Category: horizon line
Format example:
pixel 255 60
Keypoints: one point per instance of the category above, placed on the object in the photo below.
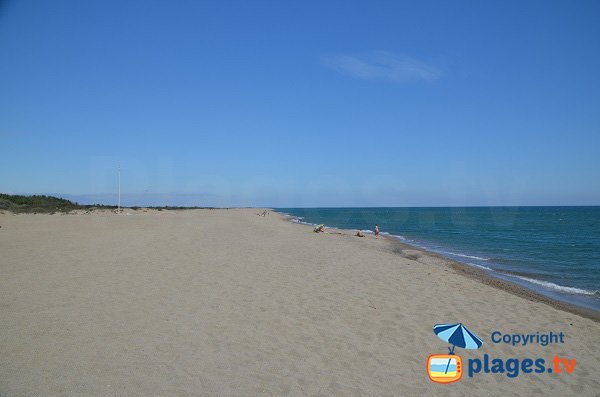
pixel 61 195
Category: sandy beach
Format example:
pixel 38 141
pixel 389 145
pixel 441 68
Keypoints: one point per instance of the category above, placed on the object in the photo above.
pixel 228 303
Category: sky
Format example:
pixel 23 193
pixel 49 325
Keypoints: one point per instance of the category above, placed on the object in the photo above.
pixel 305 103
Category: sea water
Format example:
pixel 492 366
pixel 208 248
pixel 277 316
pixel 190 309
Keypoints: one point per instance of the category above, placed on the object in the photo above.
pixel 552 250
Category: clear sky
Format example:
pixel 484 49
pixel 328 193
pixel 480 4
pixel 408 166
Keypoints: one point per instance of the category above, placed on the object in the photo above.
pixel 281 103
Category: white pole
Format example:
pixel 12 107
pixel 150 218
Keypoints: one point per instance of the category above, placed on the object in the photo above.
pixel 119 203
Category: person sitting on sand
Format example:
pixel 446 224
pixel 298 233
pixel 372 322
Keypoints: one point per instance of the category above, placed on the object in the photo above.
pixel 319 229
pixel 359 234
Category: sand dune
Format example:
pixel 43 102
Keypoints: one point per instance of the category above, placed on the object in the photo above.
pixel 224 302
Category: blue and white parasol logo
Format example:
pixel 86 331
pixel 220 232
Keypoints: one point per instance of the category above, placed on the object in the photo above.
pixel 457 335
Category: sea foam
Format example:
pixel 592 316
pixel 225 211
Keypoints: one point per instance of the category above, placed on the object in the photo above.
pixel 559 288
pixel 467 256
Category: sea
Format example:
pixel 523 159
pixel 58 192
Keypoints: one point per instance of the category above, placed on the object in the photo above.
pixel 554 251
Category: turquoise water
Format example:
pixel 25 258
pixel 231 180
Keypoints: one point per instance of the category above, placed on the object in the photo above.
pixel 552 250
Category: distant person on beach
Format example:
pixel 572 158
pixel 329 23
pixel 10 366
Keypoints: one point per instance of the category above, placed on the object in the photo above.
pixel 319 229
pixel 359 234
pixel 376 231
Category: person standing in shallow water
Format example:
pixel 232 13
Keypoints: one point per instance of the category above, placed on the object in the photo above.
pixel 376 231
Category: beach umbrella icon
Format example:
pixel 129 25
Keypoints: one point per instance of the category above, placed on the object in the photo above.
pixel 457 335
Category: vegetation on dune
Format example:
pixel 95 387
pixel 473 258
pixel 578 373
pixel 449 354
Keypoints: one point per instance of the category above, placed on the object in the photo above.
pixel 35 204
pixel 20 204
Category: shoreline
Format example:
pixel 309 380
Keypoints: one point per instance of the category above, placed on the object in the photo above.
pixel 412 252
pixel 488 279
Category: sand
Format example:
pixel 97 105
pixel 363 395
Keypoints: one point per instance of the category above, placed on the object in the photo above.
pixel 228 303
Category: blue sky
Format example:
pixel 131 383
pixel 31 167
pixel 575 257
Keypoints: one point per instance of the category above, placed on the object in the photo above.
pixel 277 103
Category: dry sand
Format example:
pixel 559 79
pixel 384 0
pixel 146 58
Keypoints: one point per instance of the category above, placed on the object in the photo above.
pixel 224 302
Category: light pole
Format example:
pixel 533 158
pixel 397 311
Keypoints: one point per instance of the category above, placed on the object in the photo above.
pixel 119 201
